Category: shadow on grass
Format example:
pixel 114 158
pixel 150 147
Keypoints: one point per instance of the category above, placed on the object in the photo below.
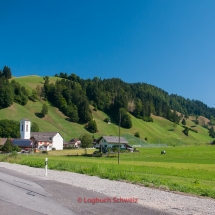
pixel 39 115
pixel 77 155
pixel 68 119
pixel 84 155
pixel 79 122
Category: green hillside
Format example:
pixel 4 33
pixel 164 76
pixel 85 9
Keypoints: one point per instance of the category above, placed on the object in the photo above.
pixel 160 131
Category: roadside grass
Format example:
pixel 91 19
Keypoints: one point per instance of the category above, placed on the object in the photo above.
pixel 188 169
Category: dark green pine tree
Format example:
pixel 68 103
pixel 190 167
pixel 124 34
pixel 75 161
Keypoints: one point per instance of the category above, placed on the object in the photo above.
pixel 196 121
pixel 7 72
pixel 44 110
pixel 8 147
pixel 138 108
pixel 183 122
pixel 125 118
pixel 84 112
pixel 6 94
pixel 73 113
pixel 211 132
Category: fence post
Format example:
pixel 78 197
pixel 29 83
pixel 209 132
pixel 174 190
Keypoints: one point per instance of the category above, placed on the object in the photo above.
pixel 46 166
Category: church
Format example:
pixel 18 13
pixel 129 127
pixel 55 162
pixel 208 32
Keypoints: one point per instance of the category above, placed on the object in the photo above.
pixel 42 141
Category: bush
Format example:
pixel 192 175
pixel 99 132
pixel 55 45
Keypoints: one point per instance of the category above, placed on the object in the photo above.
pixel 213 142
pixel 171 129
pixel 186 131
pixel 147 119
pixel 107 119
pixel 137 134
pixel 91 126
pixel 14 154
pixel 16 148
pixel 44 152
pixel 68 147
pixel 115 148
pixel 53 149
pixel 97 154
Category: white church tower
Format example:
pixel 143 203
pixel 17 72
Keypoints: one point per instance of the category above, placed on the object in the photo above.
pixel 25 128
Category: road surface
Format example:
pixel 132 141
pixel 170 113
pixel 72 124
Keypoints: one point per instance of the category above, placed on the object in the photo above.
pixel 23 194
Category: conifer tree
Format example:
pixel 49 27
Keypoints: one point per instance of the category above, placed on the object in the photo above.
pixel 8 147
pixel 7 72
pixel 183 122
pixel 44 110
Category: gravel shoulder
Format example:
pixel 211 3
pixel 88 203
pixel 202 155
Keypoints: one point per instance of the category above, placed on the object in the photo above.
pixel 163 200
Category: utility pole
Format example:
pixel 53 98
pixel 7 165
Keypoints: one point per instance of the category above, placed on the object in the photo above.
pixel 119 136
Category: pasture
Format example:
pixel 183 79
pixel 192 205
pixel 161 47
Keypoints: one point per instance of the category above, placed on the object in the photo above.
pixel 189 169
pixel 161 131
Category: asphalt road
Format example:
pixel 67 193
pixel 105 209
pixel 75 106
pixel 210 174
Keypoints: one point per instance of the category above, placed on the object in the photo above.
pixel 23 194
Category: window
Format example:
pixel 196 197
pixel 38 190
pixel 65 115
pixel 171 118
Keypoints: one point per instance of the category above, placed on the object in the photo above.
pixel 22 127
pixel 27 127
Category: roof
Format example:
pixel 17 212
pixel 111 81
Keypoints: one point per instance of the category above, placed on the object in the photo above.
pixel 22 142
pixel 74 140
pixel 115 139
pixel 25 119
pixel 43 136
pixel 2 141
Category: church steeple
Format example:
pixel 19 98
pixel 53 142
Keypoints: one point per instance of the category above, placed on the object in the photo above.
pixel 25 128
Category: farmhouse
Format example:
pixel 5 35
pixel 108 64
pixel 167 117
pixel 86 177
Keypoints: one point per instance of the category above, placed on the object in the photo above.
pixel 112 142
pixel 44 141
pixel 74 143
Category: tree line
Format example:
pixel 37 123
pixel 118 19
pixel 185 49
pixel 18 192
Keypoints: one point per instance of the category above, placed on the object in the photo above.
pixel 11 128
pixel 11 91
pixel 112 96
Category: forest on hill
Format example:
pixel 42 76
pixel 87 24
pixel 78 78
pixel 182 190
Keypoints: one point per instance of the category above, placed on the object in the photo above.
pixel 73 96
pixel 113 96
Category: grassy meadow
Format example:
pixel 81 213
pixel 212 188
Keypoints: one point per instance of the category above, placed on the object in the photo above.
pixel 160 131
pixel 188 169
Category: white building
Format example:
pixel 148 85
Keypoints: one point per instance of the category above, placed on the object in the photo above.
pixel 25 128
pixel 44 141
pixel 111 142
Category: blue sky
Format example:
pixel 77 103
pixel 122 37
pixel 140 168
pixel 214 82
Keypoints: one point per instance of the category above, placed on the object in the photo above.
pixel 166 43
